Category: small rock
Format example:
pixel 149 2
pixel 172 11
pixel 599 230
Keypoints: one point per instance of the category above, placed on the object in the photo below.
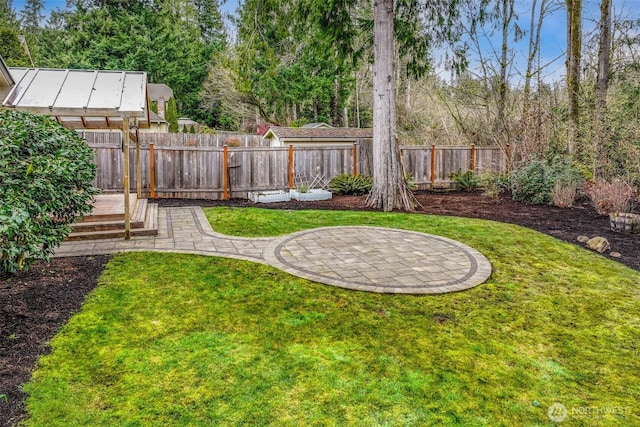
pixel 615 254
pixel 599 244
pixel 583 239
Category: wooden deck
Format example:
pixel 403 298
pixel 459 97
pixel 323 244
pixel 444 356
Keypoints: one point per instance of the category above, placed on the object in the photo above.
pixel 106 221
pixel 110 207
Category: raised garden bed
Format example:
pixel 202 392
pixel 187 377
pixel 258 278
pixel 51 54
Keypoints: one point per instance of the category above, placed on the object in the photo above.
pixel 269 196
pixel 311 195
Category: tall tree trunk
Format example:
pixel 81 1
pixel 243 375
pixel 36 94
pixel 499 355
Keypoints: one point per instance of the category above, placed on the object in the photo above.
pixel 507 16
pixel 602 85
pixel 407 93
pixel 574 47
pixel 335 99
pixel 389 189
pixel 357 101
pixel 535 31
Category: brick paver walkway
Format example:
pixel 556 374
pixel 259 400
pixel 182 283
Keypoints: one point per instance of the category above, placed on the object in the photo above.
pixel 361 258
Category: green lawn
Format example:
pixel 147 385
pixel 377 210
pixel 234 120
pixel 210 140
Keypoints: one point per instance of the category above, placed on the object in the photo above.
pixel 170 339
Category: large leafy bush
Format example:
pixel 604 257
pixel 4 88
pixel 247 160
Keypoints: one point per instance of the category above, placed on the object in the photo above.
pixel 534 182
pixel 46 174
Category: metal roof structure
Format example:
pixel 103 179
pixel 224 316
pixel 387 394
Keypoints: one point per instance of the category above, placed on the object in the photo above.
pixel 86 99
pixel 81 99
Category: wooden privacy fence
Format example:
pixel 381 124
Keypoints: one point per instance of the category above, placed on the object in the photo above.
pixel 435 164
pixel 211 172
pixel 219 139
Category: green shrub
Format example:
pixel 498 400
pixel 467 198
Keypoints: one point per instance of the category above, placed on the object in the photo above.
pixel 534 182
pixel 354 185
pixel 466 181
pixel 494 183
pixel 408 180
pixel 46 173
pixel 171 115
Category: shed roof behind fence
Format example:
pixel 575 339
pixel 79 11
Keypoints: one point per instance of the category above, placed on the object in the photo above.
pixel 78 97
pixel 159 90
pixel 319 133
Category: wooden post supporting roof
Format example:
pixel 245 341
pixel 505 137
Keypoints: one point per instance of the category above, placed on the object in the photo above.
pixel 85 99
pixel 138 167
pixel 127 214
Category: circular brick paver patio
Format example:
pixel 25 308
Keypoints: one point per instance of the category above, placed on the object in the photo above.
pixel 370 259
pixel 379 260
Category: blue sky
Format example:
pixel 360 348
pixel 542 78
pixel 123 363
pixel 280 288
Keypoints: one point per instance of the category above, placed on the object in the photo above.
pixel 553 37
pixel 230 5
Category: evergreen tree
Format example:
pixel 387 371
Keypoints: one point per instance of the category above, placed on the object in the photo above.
pixel 171 115
pixel 164 38
pixel 416 25
pixel 289 71
pixel 11 49
pixel 7 14
pixel 192 129
pixel 31 18
pixel 31 15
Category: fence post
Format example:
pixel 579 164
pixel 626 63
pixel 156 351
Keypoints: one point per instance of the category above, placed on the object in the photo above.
pixel 152 172
pixel 355 159
pixel 290 170
pixel 225 172
pixel 508 157
pixel 433 164
pixel 473 158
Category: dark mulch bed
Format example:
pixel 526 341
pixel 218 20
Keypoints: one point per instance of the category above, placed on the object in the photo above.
pixel 35 304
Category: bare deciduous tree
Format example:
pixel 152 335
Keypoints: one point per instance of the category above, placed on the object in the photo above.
pixel 574 51
pixel 602 83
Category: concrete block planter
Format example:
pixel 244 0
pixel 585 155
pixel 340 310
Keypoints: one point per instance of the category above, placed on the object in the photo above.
pixel 625 223
pixel 313 194
pixel 269 196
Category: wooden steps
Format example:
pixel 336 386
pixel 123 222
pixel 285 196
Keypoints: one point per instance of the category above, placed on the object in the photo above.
pixel 107 221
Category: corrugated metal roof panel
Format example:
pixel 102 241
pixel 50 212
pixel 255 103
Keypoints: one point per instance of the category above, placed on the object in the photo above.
pixel 134 93
pixel 107 91
pixel 75 90
pixel 80 93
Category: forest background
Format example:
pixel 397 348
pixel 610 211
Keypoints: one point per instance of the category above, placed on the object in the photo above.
pixel 506 73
